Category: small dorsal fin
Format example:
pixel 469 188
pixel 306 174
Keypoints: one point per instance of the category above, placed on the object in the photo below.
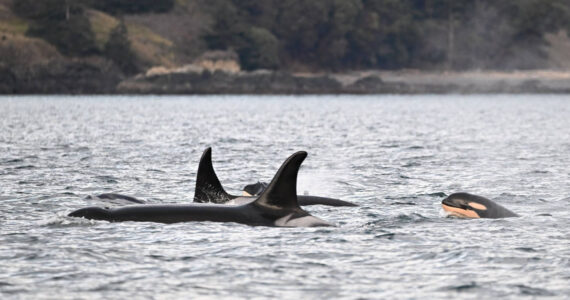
pixel 281 193
pixel 254 189
pixel 208 186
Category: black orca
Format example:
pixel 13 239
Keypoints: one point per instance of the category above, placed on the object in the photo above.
pixel 466 205
pixel 209 189
pixel 254 189
pixel 277 206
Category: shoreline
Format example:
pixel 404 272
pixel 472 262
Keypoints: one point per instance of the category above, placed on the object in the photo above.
pixel 89 80
pixel 361 82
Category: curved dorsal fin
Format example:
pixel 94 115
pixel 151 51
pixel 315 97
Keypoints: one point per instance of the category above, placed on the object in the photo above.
pixel 281 193
pixel 208 186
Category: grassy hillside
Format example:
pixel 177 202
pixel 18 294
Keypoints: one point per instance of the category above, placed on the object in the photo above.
pixel 15 47
pixel 290 35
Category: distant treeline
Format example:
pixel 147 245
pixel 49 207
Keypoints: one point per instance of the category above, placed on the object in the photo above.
pixel 387 34
pixel 328 35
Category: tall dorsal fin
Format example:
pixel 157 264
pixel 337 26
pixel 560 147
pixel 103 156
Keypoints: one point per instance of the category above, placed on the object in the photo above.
pixel 281 193
pixel 208 186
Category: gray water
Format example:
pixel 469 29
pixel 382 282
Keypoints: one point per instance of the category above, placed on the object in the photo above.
pixel 396 156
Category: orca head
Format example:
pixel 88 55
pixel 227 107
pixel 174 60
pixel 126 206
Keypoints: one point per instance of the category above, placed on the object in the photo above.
pixel 208 186
pixel 466 205
pixel 92 213
pixel 279 200
pixel 254 189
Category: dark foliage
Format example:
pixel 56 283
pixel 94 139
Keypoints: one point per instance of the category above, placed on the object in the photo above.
pixel 259 50
pixel 391 34
pixel 7 80
pixel 333 34
pixel 132 6
pixel 71 37
pixel 61 23
pixel 118 49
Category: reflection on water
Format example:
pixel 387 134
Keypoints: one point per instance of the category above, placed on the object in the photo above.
pixel 396 156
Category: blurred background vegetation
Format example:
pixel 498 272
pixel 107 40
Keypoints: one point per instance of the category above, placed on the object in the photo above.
pixel 291 35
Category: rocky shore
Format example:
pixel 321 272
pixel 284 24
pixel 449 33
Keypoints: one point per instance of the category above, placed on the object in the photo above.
pixel 99 77
pixel 369 82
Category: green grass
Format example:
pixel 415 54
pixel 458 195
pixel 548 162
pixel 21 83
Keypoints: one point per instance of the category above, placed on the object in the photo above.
pixel 14 26
pixel 149 46
pixel 146 44
pixel 101 24
pixel 9 22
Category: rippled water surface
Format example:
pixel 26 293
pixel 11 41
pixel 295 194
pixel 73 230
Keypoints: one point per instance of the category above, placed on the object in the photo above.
pixel 396 156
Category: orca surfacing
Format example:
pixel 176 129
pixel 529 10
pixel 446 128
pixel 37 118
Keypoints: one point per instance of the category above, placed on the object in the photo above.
pixel 277 206
pixel 210 190
pixel 465 205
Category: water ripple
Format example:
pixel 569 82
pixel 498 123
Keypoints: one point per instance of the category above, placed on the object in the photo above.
pixel 386 153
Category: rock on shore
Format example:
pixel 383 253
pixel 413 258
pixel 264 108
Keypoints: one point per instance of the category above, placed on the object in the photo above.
pixel 369 82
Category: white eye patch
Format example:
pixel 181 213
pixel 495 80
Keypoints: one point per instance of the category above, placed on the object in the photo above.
pixel 477 206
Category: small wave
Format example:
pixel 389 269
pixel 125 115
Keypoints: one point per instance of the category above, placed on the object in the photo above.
pixel 63 194
pixel 388 236
pixel 411 164
pixel 389 146
pixel 108 179
pixel 168 258
pixel 525 249
pixel 231 140
pixel 540 172
pixel 544 215
pixel 26 167
pixel 401 197
pixel 411 218
pixel 13 161
pixel 527 290
pixel 463 287
pixel 131 141
pixel 63 221
pixel 436 194
pixel 397 221
pixel 58 222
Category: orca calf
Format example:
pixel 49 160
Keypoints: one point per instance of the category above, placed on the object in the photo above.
pixel 466 205
pixel 277 206
pixel 254 189
pixel 210 190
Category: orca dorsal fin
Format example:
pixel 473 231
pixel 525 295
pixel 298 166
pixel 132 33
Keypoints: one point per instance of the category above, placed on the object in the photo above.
pixel 281 193
pixel 208 186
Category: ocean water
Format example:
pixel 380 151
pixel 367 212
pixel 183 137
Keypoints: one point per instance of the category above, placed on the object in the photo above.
pixel 395 156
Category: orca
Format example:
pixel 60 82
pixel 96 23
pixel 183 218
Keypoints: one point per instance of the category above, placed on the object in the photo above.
pixel 210 190
pixel 277 206
pixel 254 189
pixel 465 205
